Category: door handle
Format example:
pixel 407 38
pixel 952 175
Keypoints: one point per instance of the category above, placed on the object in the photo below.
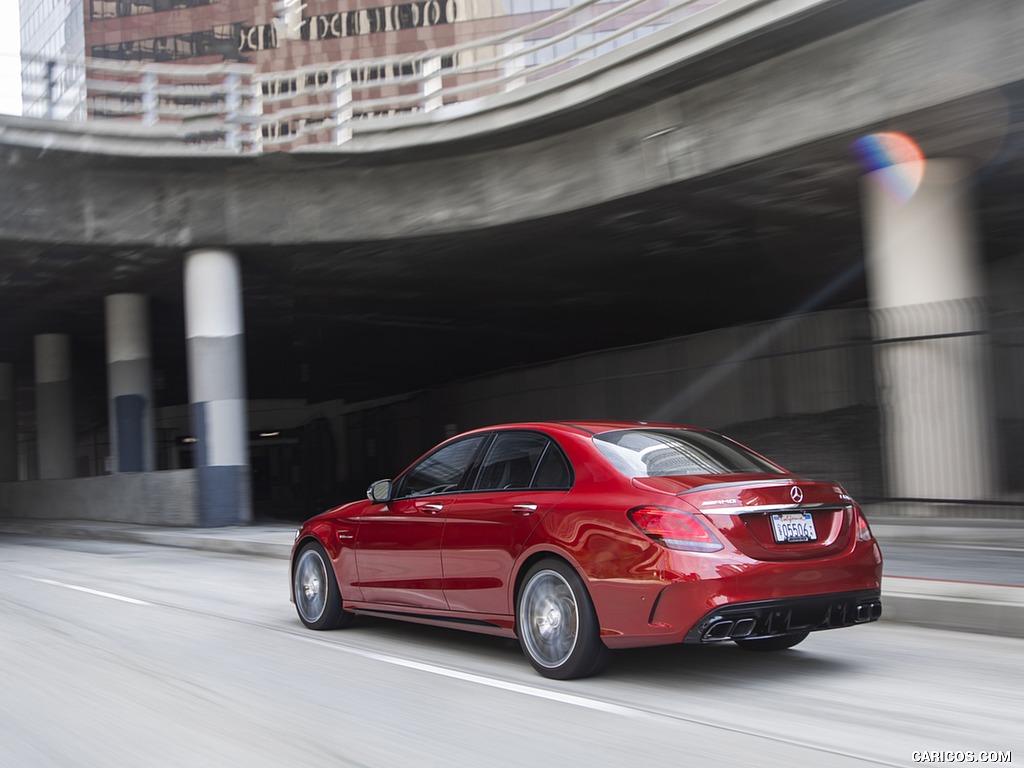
pixel 433 508
pixel 524 509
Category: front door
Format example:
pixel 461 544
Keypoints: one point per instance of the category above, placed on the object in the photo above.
pixel 398 544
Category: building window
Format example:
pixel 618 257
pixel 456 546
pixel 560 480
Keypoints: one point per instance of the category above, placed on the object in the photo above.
pixel 112 9
pixel 219 41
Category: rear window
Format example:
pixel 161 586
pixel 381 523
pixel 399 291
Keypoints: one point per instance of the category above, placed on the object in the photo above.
pixel 522 460
pixel 663 452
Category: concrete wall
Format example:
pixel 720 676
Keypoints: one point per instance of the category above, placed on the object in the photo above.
pixel 811 364
pixel 801 391
pixel 153 498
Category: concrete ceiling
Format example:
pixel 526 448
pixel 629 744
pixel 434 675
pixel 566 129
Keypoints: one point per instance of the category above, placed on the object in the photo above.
pixel 357 320
pixel 361 318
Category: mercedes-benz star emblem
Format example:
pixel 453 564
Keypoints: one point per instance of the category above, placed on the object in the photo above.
pixel 796 494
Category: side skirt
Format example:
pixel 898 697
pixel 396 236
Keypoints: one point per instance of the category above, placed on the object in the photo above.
pixel 498 626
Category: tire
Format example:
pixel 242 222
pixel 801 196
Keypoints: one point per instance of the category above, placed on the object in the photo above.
pixel 557 625
pixel 780 643
pixel 317 597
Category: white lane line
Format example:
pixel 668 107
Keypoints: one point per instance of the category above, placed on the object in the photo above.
pixel 122 598
pixel 529 690
pixel 587 703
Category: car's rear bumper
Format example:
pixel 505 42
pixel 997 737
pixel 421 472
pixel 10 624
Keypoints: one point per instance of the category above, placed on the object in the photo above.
pixel 689 591
pixel 770 618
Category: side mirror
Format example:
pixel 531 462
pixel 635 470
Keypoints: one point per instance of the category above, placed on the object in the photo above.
pixel 379 492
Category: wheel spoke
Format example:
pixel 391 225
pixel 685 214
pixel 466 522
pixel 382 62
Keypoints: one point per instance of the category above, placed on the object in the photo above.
pixel 549 618
pixel 311 585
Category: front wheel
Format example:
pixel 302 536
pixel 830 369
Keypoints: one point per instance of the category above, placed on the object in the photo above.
pixel 557 624
pixel 317 598
pixel 779 643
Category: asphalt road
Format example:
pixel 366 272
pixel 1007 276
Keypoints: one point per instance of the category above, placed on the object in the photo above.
pixel 130 655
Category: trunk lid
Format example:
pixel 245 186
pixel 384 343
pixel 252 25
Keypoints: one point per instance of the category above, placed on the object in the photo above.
pixel 767 516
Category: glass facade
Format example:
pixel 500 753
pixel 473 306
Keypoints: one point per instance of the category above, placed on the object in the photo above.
pixel 220 41
pixel 53 50
pixel 111 9
pixel 58 34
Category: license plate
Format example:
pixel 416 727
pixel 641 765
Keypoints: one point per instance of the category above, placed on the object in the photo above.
pixel 792 528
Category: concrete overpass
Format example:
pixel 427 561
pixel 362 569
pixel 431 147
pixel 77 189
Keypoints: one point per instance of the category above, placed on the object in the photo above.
pixel 700 178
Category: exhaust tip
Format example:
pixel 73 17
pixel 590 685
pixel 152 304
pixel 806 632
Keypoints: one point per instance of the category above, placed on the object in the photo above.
pixel 868 612
pixel 719 630
pixel 743 628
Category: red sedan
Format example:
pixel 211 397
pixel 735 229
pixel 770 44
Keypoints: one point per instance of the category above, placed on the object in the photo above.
pixel 582 537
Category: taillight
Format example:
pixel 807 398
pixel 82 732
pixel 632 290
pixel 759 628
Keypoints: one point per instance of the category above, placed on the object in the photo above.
pixel 674 529
pixel 863 531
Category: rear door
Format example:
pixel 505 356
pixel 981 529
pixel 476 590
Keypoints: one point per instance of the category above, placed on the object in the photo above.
pixel 522 475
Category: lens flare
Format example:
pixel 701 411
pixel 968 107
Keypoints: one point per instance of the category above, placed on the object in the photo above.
pixel 894 160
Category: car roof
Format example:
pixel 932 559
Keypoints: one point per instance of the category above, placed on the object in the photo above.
pixel 593 427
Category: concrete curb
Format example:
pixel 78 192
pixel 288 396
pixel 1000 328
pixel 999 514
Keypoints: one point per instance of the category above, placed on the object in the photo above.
pixel 985 608
pixel 260 541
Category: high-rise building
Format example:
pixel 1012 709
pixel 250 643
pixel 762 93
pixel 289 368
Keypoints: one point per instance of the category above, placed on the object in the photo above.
pixel 282 36
pixel 303 42
pixel 58 36
pixel 279 34
pixel 53 50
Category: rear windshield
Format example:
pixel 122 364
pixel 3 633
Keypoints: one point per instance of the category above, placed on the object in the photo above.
pixel 661 452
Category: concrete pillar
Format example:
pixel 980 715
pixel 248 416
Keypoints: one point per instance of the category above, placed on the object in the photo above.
pixel 216 375
pixel 55 423
pixel 925 279
pixel 8 426
pixel 129 384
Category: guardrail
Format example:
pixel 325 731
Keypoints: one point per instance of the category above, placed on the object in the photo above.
pixel 233 106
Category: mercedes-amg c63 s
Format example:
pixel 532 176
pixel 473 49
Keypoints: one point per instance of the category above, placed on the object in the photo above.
pixel 579 538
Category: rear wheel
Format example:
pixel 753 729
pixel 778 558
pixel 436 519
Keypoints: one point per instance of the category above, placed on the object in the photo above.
pixel 317 598
pixel 557 624
pixel 780 643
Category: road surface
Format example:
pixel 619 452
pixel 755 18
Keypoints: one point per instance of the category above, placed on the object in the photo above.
pixel 132 655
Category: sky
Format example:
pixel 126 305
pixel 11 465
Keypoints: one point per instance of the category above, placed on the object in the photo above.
pixel 10 67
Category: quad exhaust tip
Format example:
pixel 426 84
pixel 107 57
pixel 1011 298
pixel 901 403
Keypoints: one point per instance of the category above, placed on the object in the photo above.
pixel 719 628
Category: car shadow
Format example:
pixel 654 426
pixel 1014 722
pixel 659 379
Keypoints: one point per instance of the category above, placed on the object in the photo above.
pixel 666 665
pixel 430 637
pixel 709 664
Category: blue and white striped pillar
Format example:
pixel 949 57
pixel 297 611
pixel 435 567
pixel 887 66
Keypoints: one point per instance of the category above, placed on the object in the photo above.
pixel 55 423
pixel 216 378
pixel 129 383
pixel 8 426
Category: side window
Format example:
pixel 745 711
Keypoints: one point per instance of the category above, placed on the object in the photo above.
pixel 516 459
pixel 553 472
pixel 511 460
pixel 441 471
